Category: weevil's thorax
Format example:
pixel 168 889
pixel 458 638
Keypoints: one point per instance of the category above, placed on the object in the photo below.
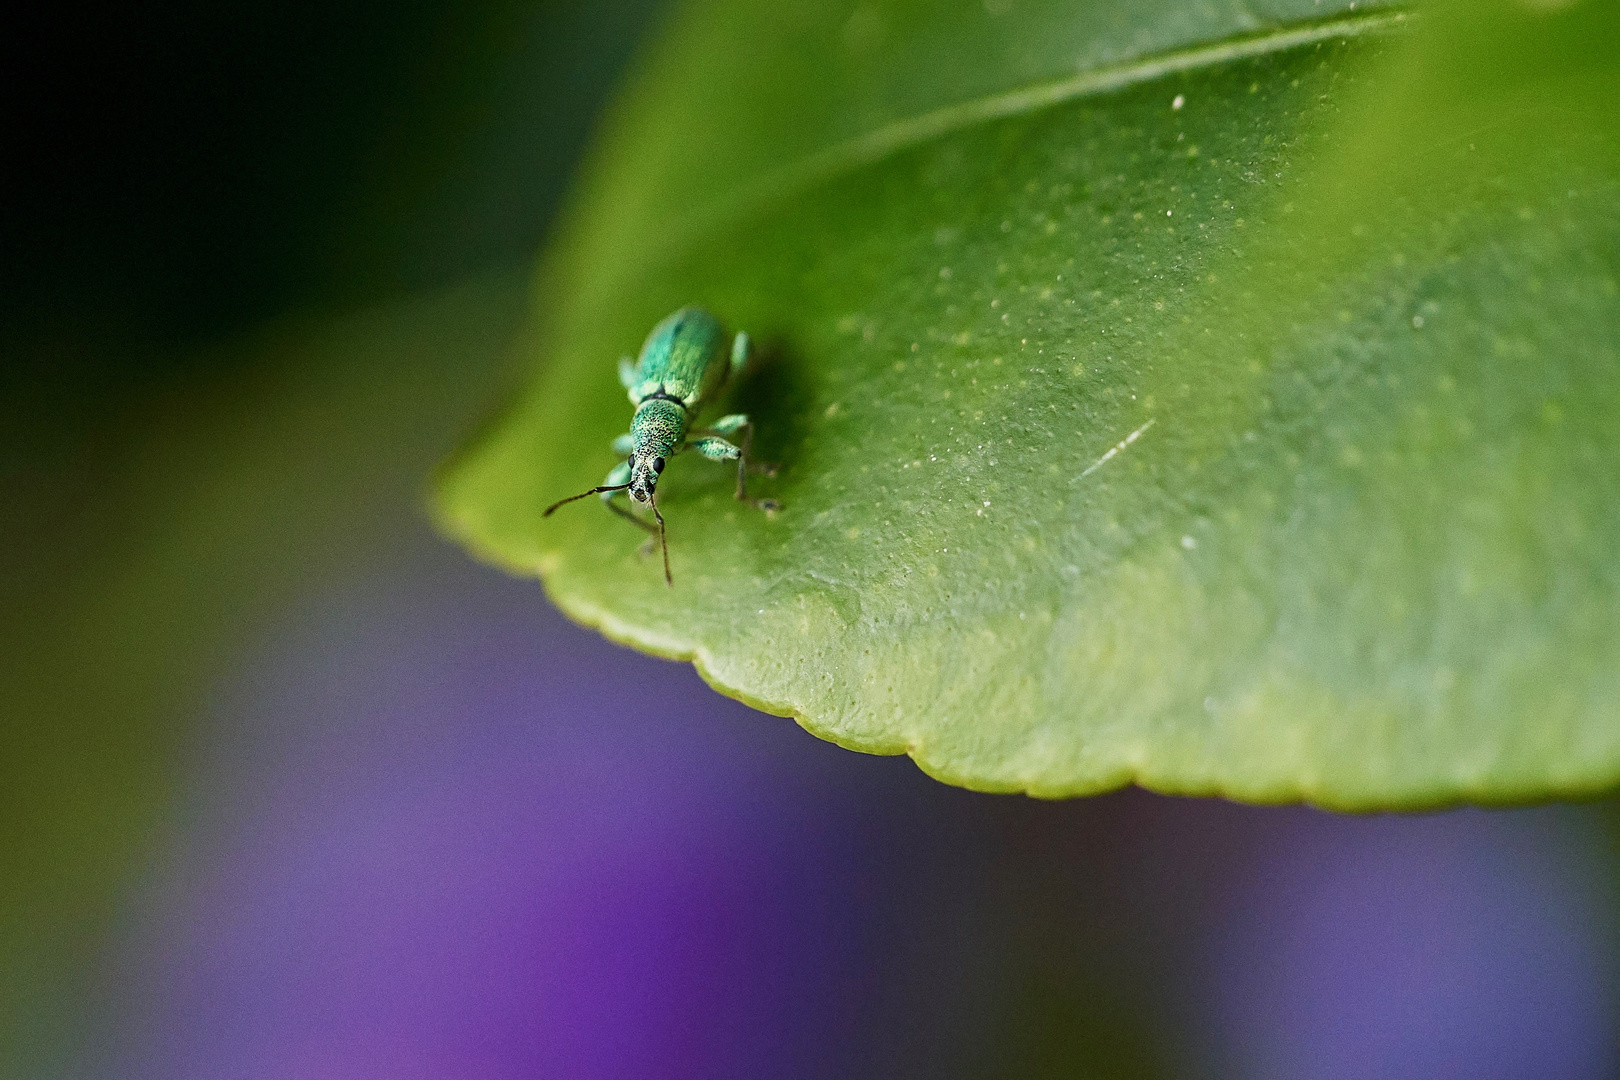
pixel 658 429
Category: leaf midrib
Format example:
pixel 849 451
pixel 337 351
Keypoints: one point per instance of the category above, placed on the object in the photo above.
pixel 822 166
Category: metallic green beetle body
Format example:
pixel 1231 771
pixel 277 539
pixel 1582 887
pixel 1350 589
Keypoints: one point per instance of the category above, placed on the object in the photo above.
pixel 684 365
pixel 684 357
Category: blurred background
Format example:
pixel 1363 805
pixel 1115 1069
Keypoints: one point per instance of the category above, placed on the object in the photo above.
pixel 291 788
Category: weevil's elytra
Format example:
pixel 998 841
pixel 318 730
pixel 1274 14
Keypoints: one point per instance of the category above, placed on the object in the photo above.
pixel 684 365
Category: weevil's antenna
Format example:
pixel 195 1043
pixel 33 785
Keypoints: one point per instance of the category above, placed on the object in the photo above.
pixel 663 541
pixel 583 494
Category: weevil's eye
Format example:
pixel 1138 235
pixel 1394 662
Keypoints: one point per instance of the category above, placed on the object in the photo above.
pixel 658 464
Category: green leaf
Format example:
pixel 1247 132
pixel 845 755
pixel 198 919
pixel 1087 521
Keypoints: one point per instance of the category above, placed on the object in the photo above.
pixel 1234 413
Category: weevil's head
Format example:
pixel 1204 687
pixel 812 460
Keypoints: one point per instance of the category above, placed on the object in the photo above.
pixel 644 470
pixel 657 429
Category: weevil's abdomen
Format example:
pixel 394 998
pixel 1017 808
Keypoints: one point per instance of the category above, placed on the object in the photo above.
pixel 684 357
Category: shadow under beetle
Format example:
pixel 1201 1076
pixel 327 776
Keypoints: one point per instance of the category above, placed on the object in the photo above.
pixel 683 367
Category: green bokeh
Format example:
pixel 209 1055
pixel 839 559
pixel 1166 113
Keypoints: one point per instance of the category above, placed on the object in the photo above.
pixel 234 500
pixel 1352 281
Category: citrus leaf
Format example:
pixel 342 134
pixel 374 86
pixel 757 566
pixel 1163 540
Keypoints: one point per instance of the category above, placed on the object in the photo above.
pixel 1234 415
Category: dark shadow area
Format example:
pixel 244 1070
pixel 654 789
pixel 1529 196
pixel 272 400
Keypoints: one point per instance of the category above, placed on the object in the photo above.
pixel 776 393
pixel 179 170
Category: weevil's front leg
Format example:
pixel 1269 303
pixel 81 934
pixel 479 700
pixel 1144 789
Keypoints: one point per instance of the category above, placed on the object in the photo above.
pixel 617 479
pixel 742 351
pixel 717 449
pixel 621 475
pixel 623 445
pixel 646 548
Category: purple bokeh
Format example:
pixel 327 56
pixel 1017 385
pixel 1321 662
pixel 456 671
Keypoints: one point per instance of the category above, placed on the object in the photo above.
pixel 1467 945
pixel 435 831
pixel 483 844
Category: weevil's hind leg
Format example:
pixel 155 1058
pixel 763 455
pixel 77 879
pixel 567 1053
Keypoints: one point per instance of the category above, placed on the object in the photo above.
pixel 742 351
pixel 627 372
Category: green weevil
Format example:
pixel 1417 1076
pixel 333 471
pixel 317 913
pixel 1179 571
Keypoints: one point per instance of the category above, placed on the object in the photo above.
pixel 683 367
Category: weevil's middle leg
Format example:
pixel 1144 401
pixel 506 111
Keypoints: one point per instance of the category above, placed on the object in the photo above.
pixel 726 425
pixel 718 449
